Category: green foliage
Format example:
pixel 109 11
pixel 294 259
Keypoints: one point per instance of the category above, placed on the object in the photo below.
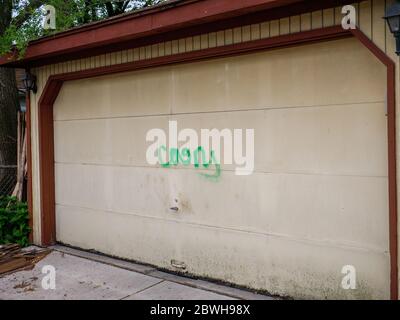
pixel 28 15
pixel 14 221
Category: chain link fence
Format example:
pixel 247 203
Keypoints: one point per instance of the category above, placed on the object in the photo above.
pixel 8 180
pixel 9 124
pixel 8 171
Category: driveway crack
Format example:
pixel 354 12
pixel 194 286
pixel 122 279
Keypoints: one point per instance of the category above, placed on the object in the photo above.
pixel 153 285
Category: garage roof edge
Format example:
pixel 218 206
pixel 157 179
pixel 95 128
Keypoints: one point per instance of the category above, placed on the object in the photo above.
pixel 131 28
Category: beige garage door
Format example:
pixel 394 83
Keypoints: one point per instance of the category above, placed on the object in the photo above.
pixel 317 200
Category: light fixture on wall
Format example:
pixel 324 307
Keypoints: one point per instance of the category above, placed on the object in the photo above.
pixel 392 18
pixel 30 82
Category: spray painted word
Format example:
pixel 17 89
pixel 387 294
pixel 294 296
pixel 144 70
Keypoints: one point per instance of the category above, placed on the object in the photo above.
pixel 185 157
pixel 205 153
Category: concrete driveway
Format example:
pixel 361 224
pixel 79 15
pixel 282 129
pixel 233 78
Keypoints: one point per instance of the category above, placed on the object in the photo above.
pixel 81 276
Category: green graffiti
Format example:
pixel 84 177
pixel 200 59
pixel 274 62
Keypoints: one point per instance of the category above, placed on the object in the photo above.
pixel 217 173
pixel 184 157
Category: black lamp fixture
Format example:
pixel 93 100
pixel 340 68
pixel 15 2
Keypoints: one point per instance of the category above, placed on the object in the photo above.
pixel 30 82
pixel 392 18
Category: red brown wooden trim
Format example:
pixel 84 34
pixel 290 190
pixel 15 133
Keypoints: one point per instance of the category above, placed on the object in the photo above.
pixel 47 181
pixel 392 171
pixel 29 162
pixel 85 41
pixel 183 11
pixel 54 84
pixel 211 53
pixel 46 161
pixel 132 26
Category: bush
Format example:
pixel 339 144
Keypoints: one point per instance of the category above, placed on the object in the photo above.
pixel 14 221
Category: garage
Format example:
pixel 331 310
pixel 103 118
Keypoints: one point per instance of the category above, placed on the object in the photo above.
pixel 320 157
pixel 294 195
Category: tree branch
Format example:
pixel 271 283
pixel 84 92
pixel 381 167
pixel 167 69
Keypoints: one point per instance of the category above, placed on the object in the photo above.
pixel 110 9
pixel 125 5
pixel 26 12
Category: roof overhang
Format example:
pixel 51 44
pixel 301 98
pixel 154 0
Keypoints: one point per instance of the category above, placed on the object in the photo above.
pixel 172 20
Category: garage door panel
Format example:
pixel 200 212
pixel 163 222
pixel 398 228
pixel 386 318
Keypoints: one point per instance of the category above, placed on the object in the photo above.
pixel 75 226
pixel 348 210
pixel 317 199
pixel 342 209
pixel 317 140
pixel 110 233
pixel 120 141
pixel 337 140
pixel 116 96
pixel 281 78
pixel 304 268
